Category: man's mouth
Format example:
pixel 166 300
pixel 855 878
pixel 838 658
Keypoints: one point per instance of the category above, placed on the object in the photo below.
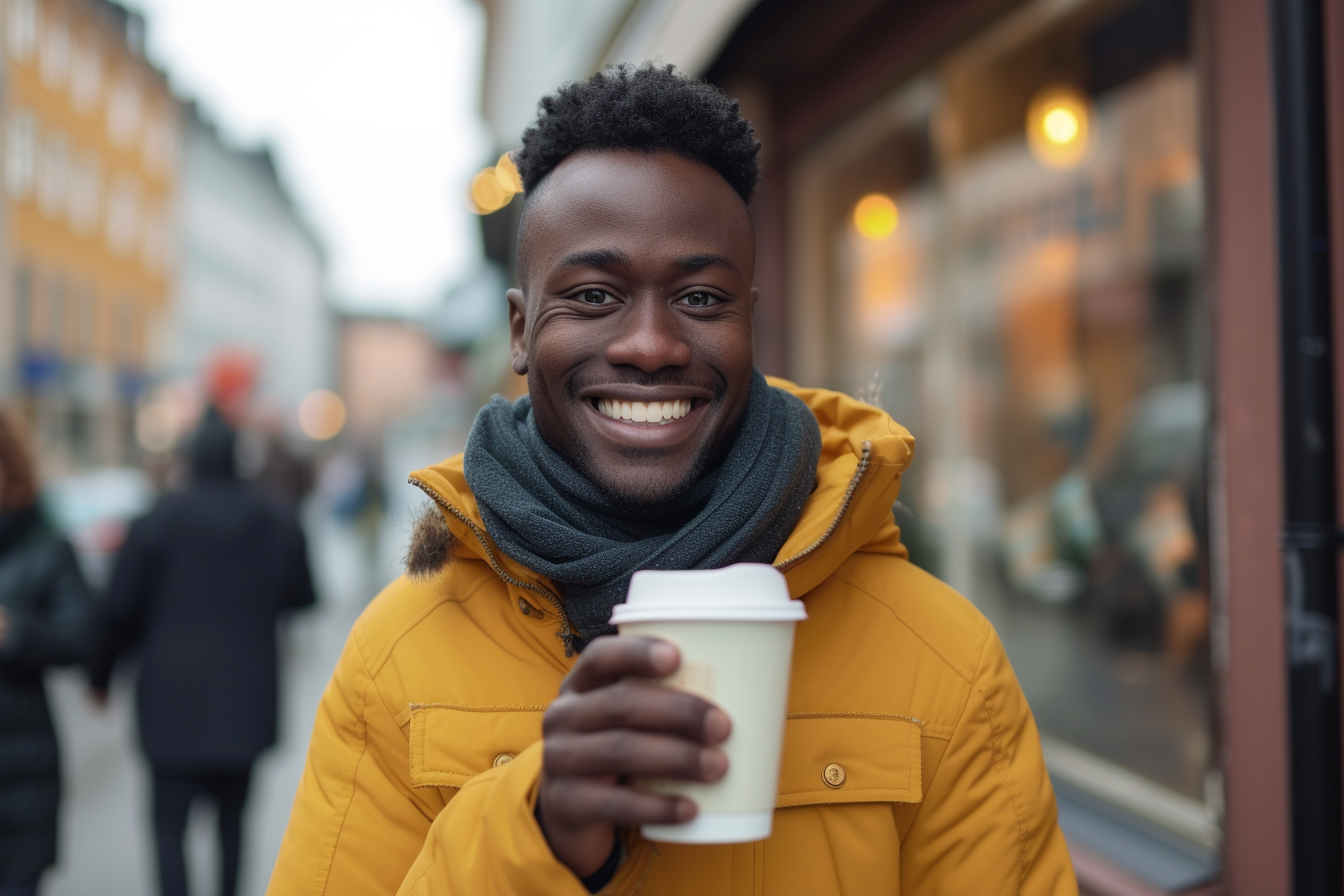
pixel 660 412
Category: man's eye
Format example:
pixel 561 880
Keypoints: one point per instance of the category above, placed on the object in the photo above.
pixel 700 299
pixel 595 297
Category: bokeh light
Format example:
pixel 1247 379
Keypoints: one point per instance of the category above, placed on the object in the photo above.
pixel 487 193
pixel 321 415
pixel 1060 125
pixel 876 216
pixel 507 172
pixel 154 429
pixel 1057 124
pixel 494 187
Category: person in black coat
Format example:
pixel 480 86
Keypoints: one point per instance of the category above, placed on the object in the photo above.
pixel 199 586
pixel 44 621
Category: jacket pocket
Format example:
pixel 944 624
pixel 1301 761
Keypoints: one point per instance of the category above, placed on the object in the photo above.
pixel 832 758
pixel 451 744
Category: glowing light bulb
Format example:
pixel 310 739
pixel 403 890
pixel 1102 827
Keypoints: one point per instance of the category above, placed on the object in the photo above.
pixel 1060 126
pixel 1057 127
pixel 876 216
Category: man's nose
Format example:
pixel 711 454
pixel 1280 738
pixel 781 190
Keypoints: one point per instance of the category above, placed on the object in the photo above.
pixel 650 338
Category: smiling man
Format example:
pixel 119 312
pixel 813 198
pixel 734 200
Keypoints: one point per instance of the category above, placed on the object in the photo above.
pixel 484 725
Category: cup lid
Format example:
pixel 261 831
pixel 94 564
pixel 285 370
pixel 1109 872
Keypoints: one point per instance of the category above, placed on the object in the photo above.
pixel 743 592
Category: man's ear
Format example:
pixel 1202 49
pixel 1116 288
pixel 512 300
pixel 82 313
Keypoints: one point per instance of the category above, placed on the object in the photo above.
pixel 518 330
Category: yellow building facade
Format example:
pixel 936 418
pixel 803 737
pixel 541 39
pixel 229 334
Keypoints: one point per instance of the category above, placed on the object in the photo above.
pixel 91 145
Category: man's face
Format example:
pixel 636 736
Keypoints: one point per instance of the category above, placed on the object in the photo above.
pixel 634 321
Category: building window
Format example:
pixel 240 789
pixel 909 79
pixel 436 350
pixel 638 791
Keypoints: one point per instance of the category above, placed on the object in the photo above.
pixel 23 306
pixel 125 109
pixel 84 331
pixel 22 30
pixel 86 74
pixel 123 215
pixel 1011 248
pixel 156 248
pixel 20 153
pixel 53 176
pixel 85 192
pixel 54 63
pixel 127 342
pixel 55 329
pixel 158 150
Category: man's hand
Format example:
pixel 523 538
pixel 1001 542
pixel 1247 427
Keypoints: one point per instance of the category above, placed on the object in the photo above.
pixel 4 626
pixel 604 729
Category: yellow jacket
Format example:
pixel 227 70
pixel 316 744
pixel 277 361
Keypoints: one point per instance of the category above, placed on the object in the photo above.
pixel 425 757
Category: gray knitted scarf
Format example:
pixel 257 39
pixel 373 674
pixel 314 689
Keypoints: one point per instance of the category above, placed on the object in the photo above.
pixel 554 520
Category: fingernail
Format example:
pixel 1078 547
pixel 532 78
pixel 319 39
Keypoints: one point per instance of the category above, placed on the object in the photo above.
pixel 717 725
pixel 663 656
pixel 685 810
pixel 713 764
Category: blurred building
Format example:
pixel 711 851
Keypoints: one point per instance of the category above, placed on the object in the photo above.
pixel 1042 235
pixel 251 277
pixel 388 370
pixel 91 156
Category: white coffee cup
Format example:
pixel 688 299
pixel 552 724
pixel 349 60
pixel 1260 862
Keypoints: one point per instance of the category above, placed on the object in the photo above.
pixel 734 629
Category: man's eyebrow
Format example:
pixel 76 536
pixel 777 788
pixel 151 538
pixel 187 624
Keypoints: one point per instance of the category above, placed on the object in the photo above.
pixel 596 258
pixel 700 262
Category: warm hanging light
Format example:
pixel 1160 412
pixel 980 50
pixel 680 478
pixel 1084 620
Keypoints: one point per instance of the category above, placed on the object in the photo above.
pixel 1057 126
pixel 876 216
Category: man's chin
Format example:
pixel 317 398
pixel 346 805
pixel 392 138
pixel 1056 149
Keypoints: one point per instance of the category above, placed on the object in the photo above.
pixel 634 490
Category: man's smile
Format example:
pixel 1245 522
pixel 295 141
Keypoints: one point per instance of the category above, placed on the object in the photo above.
pixel 652 415
pixel 652 412
pixel 637 416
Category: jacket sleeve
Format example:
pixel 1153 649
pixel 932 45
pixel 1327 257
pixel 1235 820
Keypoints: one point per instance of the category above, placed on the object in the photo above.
pixel 59 630
pixel 488 840
pixel 300 593
pixel 357 823
pixel 120 614
pixel 988 823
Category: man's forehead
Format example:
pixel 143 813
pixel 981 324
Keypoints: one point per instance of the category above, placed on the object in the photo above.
pixel 599 200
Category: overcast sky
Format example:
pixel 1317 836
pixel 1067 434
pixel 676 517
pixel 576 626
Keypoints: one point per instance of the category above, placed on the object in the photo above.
pixel 372 110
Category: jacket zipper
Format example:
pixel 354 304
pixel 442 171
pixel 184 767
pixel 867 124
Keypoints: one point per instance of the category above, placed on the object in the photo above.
pixel 785 565
pixel 566 633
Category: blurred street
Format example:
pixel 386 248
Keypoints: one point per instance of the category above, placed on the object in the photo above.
pixel 105 834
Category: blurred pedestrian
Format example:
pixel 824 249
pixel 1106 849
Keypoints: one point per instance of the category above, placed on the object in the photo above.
pixel 199 586
pixel 44 621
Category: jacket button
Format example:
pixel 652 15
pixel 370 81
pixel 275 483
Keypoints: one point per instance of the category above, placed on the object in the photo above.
pixel 506 758
pixel 833 775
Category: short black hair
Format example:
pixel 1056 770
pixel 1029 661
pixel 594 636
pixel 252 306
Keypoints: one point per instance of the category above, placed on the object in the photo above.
pixel 644 109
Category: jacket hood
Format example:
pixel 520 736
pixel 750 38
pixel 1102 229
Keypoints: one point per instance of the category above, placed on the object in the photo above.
pixel 863 454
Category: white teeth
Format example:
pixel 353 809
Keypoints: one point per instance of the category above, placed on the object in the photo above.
pixel 644 412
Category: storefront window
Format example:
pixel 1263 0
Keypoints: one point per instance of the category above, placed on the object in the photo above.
pixel 1012 257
